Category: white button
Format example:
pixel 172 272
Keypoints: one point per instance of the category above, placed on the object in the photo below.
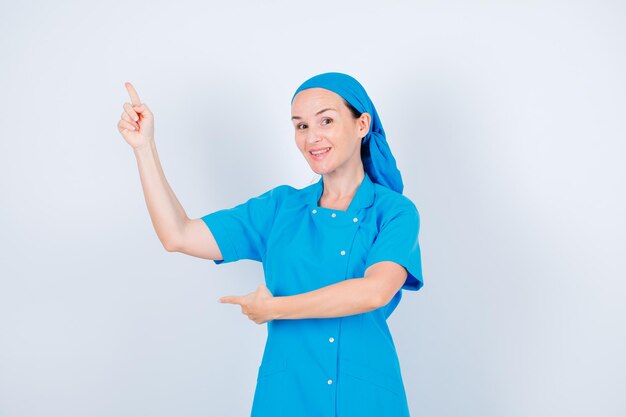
pixel 331 339
pixel 343 252
pixel 330 381
pixel 355 220
pixel 313 211
pixel 333 215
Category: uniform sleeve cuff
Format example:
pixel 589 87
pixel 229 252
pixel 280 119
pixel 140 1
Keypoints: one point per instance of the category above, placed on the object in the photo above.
pixel 217 228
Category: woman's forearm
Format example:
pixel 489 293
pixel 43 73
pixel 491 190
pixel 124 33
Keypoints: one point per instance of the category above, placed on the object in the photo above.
pixel 167 214
pixel 344 298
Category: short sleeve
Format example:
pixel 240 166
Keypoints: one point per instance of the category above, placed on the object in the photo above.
pixel 397 241
pixel 241 232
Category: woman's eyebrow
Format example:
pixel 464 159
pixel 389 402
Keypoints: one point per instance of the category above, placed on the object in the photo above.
pixel 321 111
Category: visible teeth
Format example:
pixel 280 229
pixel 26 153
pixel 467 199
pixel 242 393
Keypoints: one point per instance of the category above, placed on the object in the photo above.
pixel 320 152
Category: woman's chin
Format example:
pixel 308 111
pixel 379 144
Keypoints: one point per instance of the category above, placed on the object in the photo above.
pixel 320 169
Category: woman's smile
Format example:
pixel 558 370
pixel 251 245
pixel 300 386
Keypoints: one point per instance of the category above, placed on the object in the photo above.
pixel 320 154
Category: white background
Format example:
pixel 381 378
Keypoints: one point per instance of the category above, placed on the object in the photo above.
pixel 506 121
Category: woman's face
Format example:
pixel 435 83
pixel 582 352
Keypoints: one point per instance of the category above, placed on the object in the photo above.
pixel 322 120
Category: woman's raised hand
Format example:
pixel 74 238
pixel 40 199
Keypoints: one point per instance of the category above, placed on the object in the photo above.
pixel 137 122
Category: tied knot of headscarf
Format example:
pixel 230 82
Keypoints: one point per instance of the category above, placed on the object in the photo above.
pixel 378 161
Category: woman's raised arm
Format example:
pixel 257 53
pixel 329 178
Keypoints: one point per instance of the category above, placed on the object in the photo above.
pixel 174 229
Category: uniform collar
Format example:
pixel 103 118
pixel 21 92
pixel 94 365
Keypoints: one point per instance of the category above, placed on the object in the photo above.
pixel 364 196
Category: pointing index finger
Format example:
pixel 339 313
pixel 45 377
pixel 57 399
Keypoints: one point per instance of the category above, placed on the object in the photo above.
pixel 229 299
pixel 134 97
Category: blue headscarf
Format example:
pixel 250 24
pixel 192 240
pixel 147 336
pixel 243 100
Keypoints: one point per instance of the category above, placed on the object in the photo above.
pixel 378 161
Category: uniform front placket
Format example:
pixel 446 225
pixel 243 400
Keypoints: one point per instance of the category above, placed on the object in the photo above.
pixel 344 226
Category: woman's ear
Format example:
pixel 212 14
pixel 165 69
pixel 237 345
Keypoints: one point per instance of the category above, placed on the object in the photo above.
pixel 364 124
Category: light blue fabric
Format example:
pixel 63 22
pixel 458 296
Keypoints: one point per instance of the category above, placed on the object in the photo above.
pixel 378 161
pixel 325 367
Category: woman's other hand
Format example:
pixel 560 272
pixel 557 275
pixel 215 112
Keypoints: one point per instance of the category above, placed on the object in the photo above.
pixel 137 122
pixel 257 305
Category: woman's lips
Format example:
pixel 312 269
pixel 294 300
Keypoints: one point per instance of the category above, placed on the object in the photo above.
pixel 320 156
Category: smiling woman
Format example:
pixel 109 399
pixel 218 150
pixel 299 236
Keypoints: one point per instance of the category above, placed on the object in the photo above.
pixel 336 256
pixel 328 132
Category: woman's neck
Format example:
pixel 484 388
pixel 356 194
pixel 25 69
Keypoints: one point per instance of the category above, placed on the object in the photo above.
pixel 339 190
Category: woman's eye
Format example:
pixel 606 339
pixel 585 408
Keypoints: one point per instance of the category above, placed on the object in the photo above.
pixel 329 120
pixel 300 126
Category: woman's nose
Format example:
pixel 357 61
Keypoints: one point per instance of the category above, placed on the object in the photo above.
pixel 313 136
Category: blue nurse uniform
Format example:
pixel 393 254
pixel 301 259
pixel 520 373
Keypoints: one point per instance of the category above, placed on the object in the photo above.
pixel 325 367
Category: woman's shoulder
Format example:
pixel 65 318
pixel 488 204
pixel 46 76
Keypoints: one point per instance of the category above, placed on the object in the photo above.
pixel 391 201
